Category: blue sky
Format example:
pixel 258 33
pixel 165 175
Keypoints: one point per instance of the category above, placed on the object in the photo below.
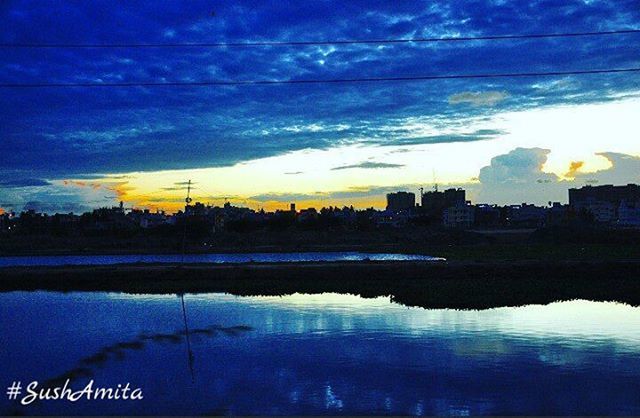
pixel 260 145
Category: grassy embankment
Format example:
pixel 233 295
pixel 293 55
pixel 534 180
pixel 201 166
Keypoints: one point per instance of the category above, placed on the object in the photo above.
pixel 509 268
pixel 458 285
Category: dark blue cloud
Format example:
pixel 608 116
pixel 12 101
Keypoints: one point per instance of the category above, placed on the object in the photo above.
pixel 26 182
pixel 370 165
pixel 50 207
pixel 54 133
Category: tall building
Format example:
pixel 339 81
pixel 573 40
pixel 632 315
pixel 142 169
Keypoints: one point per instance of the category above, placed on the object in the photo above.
pixel 435 202
pixel 584 196
pixel 401 201
pixel 604 202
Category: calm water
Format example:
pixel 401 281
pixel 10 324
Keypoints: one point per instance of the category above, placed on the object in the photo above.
pixel 323 354
pixel 61 260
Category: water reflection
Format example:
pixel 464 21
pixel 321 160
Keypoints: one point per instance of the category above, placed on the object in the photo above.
pixel 118 351
pixel 324 354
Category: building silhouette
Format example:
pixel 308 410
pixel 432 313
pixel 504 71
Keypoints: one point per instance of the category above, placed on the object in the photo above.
pixel 605 202
pixel 615 195
pixel 399 201
pixel 459 216
pixel 435 202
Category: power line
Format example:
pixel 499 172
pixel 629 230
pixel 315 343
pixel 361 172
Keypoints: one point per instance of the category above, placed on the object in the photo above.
pixel 318 81
pixel 319 43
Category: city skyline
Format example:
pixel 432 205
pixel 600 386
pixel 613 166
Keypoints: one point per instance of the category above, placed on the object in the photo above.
pixel 505 140
pixel 587 198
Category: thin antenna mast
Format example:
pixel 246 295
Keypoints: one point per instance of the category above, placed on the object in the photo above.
pixel 188 199
pixel 184 230
pixel 435 180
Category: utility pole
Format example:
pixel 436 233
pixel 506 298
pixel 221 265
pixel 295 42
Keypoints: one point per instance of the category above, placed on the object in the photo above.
pixel 184 230
pixel 190 356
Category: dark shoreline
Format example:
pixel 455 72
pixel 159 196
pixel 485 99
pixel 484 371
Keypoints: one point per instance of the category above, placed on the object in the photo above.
pixel 457 285
pixel 487 253
pixel 213 250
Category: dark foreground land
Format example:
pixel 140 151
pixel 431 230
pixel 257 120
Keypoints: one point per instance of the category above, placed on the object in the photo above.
pixel 549 244
pixel 459 285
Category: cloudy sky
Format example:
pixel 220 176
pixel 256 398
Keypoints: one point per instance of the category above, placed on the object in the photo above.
pixel 506 140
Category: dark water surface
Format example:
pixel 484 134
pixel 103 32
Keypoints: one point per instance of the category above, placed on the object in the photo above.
pixel 321 354
pixel 62 260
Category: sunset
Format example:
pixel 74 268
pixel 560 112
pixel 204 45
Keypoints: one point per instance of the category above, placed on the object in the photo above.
pixel 316 143
pixel 320 208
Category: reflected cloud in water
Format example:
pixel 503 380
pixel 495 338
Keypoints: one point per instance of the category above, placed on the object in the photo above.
pixel 327 354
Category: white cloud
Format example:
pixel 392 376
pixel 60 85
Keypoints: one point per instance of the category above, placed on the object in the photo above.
pixel 519 176
pixel 486 98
